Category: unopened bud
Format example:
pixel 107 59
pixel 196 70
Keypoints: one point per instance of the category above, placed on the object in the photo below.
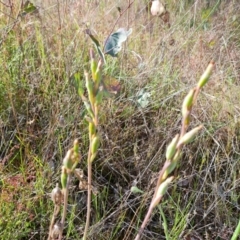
pixel 188 102
pixel 93 64
pixel 76 146
pixel 162 189
pixel 206 75
pixel 91 128
pixel 189 136
pixel 89 86
pixel 135 189
pixel 172 165
pixel 98 75
pixel 95 144
pixel 67 161
pixel 76 157
pixel 64 176
pixel 171 149
pixel 56 195
pixel 93 157
pixel 168 170
pixel 177 156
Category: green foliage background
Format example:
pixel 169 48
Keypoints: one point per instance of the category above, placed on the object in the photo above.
pixel 41 114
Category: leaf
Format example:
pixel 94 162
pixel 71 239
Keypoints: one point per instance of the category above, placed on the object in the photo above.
pixel 113 44
pixel 111 85
pixel 96 43
pixel 78 83
pixel 143 98
pixel 28 8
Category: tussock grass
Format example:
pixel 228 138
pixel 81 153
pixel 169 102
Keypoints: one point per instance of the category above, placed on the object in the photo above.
pixel 41 114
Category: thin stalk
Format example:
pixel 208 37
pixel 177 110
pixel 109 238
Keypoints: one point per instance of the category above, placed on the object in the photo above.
pixel 166 164
pixel 94 119
pixel 148 215
pixel 89 194
pixel 145 221
pixel 65 203
pixel 55 213
pixel 184 126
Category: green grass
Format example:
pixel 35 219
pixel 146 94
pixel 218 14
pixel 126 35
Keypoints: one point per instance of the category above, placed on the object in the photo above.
pixel 41 114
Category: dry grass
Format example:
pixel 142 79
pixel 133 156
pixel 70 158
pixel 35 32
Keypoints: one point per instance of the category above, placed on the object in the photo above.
pixel 41 114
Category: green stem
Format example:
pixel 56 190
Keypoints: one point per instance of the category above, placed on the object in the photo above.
pixel 89 194
pixel 236 232
pixel 64 214
pixel 165 227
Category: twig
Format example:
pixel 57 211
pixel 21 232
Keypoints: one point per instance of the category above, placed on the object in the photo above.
pixel 148 215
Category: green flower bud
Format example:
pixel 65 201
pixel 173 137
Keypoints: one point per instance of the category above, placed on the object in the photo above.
pixel 206 75
pixel 89 86
pixel 135 189
pixel 93 157
pixel 188 102
pixel 95 144
pixel 177 156
pixel 76 146
pixel 171 149
pixel 93 64
pixel 172 165
pixel 64 176
pixel 67 161
pixel 162 189
pixel 189 136
pixel 76 157
pixel 91 128
pixel 98 75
